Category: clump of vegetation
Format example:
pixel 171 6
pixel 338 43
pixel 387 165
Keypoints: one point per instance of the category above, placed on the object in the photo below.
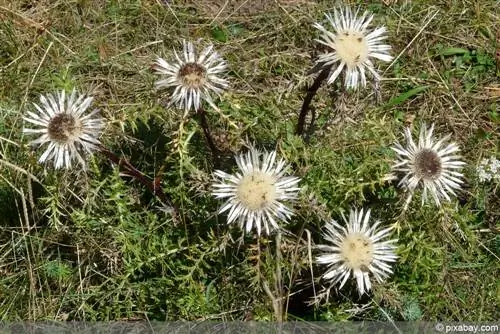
pixel 188 161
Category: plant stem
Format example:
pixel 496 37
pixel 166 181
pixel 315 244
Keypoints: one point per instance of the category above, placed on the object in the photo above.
pixel 208 136
pixel 307 100
pixel 153 186
pixel 278 283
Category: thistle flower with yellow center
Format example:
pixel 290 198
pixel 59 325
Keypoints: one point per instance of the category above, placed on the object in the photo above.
pixel 70 133
pixel 256 193
pixel 193 77
pixel 352 46
pixel 357 249
pixel 430 164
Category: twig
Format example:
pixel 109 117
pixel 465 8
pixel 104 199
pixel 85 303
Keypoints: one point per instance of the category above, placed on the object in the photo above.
pixel 274 301
pixel 424 26
pixel 278 300
pixel 307 100
pixel 139 176
pixel 309 257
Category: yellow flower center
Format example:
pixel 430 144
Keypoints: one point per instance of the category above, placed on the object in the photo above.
pixel 64 127
pixel 357 251
pixel 352 48
pixel 192 75
pixel 256 191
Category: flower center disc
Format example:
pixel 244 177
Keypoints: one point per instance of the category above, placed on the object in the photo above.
pixel 256 191
pixel 62 127
pixel 192 75
pixel 357 251
pixel 428 164
pixel 351 47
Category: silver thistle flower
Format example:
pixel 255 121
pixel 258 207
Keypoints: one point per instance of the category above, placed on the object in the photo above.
pixel 63 123
pixel 352 47
pixel 358 249
pixel 431 164
pixel 193 77
pixel 255 194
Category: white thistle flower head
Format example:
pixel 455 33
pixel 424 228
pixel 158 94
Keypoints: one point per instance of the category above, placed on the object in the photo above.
pixel 430 163
pixel 255 194
pixel 193 77
pixel 358 249
pixel 352 46
pixel 63 121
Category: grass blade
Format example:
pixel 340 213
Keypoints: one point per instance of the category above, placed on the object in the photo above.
pixel 406 95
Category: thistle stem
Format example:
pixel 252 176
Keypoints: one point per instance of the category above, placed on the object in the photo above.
pixel 153 186
pixel 208 136
pixel 307 100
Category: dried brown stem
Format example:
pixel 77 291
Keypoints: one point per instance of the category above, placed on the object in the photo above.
pixel 152 185
pixel 202 118
pixel 308 99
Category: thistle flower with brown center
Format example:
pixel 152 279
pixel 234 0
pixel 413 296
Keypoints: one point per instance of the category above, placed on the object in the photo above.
pixel 193 77
pixel 64 124
pixel 429 163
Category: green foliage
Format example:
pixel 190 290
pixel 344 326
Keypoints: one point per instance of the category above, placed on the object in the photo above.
pixel 412 311
pixel 467 65
pixel 98 245
pixel 406 95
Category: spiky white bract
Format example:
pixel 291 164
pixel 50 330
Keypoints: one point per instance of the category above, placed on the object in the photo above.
pixel 193 77
pixel 352 46
pixel 358 250
pixel 431 164
pixel 255 194
pixel 64 123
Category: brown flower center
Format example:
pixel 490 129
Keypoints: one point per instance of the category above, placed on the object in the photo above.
pixel 193 75
pixel 428 164
pixel 351 47
pixel 357 251
pixel 63 127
